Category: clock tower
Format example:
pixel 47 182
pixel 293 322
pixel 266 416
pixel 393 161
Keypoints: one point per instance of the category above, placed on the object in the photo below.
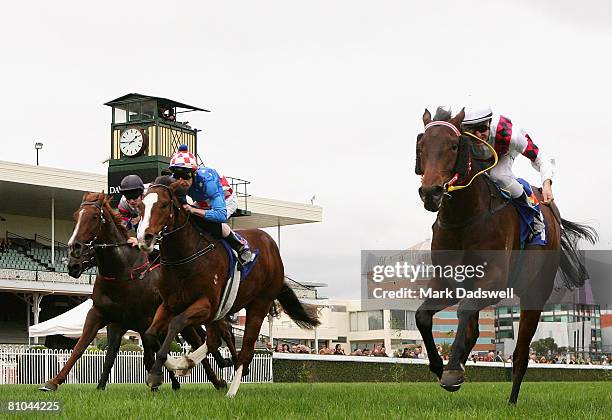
pixel 145 132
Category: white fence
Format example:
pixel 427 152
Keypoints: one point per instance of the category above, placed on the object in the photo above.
pixel 19 365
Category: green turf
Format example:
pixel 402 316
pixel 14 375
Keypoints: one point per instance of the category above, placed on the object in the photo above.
pixel 315 401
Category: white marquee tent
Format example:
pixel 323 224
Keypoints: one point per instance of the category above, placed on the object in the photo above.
pixel 69 324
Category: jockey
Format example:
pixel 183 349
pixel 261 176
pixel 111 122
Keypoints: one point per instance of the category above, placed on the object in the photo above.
pixel 132 190
pixel 205 186
pixel 231 201
pixel 509 141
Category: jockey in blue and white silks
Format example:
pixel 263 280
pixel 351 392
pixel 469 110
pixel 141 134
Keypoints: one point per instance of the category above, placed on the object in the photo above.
pixel 206 189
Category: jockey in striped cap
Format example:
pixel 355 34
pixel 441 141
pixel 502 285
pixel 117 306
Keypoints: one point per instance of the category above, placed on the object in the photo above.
pixel 204 185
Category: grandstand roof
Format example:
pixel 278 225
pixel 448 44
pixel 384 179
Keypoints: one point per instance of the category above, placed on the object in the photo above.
pixel 29 187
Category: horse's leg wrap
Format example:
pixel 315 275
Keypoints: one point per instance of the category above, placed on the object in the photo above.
pixel 231 393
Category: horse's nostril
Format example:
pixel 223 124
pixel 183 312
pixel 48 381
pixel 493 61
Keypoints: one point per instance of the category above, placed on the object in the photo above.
pixel 148 237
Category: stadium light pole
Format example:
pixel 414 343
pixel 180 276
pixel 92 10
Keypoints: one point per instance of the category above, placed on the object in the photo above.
pixel 38 145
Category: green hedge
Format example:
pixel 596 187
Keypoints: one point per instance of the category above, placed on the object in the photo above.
pixel 331 371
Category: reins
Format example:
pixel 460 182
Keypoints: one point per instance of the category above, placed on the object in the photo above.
pixel 164 234
pixel 449 187
pixel 452 187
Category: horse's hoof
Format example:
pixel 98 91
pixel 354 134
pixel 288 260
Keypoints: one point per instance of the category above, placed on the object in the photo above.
pixel 101 387
pixel 48 386
pixel 176 387
pixel 154 380
pixel 154 388
pixel 221 384
pixel 452 380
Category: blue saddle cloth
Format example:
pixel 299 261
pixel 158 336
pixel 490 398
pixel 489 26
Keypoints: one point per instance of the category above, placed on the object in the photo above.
pixel 527 214
pixel 245 269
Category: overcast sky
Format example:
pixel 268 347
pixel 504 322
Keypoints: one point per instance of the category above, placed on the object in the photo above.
pixel 319 98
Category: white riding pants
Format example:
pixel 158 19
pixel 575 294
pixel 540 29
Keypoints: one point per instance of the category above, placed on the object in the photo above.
pixel 503 176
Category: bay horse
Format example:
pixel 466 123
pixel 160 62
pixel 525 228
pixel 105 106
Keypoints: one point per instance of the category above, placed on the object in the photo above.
pixel 195 269
pixel 125 294
pixel 474 221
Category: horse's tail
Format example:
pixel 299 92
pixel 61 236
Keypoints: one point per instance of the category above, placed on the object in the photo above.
pixel 573 271
pixel 305 316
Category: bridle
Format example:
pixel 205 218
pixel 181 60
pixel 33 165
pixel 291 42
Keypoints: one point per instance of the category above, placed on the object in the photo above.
pixel 92 244
pixel 164 232
pixel 449 186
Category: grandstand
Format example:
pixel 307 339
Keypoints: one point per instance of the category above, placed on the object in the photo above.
pixel 35 225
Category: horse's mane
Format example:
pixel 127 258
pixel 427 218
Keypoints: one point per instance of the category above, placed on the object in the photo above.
pixel 105 200
pixel 442 114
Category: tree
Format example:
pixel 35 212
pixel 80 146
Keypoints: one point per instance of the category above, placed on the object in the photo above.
pixel 545 346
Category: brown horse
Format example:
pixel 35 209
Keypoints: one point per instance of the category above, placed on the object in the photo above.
pixel 125 292
pixel 194 273
pixel 474 222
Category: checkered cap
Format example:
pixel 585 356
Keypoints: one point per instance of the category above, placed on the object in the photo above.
pixel 183 158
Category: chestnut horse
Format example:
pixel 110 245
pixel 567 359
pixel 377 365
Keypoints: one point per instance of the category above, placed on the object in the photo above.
pixel 476 221
pixel 195 268
pixel 125 291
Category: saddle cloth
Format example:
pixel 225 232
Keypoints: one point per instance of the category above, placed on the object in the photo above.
pixel 235 276
pixel 528 216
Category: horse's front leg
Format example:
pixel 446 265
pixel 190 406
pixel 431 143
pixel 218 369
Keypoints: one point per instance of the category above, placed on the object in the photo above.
pixel 93 323
pixel 151 340
pixel 453 375
pixel 424 320
pixel 197 313
pixel 114 333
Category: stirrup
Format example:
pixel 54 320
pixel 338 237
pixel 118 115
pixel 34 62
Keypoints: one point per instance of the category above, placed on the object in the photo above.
pixel 245 256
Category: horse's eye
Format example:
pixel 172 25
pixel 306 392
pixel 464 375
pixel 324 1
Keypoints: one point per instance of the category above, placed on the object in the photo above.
pixel 454 147
pixel 164 206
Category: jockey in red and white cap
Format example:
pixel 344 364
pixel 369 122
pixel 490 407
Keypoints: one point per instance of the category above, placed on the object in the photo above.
pixel 509 141
pixel 205 187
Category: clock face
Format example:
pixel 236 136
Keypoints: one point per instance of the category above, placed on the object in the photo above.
pixel 132 142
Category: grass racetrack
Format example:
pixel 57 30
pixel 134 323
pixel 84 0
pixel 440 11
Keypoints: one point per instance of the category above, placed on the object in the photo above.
pixel 580 400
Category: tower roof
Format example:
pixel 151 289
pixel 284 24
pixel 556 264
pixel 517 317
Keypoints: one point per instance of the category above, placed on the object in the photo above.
pixel 167 103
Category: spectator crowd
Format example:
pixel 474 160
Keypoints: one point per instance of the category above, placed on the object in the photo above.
pixel 418 352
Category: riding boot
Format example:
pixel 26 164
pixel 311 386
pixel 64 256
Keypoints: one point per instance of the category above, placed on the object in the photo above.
pixel 241 246
pixel 538 219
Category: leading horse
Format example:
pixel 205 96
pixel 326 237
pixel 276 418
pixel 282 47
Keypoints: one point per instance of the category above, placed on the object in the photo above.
pixel 195 270
pixel 476 221
pixel 125 292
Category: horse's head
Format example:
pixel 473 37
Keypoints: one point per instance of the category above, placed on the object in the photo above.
pixel 89 219
pixel 440 156
pixel 161 207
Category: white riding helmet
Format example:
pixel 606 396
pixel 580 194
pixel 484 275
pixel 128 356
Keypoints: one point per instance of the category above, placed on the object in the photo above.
pixel 477 115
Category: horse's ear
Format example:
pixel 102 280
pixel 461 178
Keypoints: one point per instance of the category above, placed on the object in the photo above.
pixel 458 119
pixel 426 117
